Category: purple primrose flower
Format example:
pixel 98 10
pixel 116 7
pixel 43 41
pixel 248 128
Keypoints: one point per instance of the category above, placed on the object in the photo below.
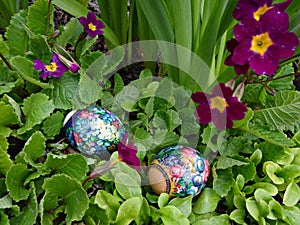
pixel 239 69
pixel 220 107
pixel 54 69
pixel 127 153
pixel 92 26
pixel 263 43
pixel 256 8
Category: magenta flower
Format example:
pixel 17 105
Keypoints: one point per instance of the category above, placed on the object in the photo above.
pixel 92 26
pixel 263 43
pixel 256 8
pixel 127 153
pixel 220 107
pixel 239 69
pixel 54 69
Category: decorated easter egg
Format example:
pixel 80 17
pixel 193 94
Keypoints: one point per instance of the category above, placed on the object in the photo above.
pixel 94 131
pixel 178 171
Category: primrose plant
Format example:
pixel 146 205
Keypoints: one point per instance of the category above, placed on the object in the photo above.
pixel 176 75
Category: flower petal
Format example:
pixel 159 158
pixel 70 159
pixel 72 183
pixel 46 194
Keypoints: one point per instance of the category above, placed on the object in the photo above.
pixel 242 53
pixel 274 21
pixel 203 114
pixel 287 43
pixel 263 65
pixel 38 64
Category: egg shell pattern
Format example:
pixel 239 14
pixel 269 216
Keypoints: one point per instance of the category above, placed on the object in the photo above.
pixel 184 169
pixel 94 131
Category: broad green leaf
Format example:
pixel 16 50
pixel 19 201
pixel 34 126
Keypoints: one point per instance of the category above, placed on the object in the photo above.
pixel 4 218
pixel 5 202
pixel 72 6
pixel 248 171
pixel 17 110
pixel 183 204
pixel 16 35
pixel 53 124
pixel 70 31
pixel 38 15
pixel 223 182
pixel 40 48
pixel 127 186
pixel 34 147
pixel 108 202
pixel 292 195
pixel 63 92
pixel 7 115
pixel 15 178
pixel 207 202
pixel 269 188
pixel 74 165
pixel 170 215
pixel 281 112
pixel 253 208
pixel 70 192
pixel 222 219
pixel 30 211
pixel 272 169
pixel 89 90
pixel 292 214
pixel 283 83
pixel 131 210
pixel 25 68
pixel 238 215
pixel 36 108
pixel 118 83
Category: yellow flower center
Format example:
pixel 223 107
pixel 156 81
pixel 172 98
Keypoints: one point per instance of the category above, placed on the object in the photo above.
pixel 52 67
pixel 92 26
pixel 260 43
pixel 218 103
pixel 261 10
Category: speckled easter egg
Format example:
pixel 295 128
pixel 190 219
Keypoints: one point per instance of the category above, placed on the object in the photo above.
pixel 94 131
pixel 178 171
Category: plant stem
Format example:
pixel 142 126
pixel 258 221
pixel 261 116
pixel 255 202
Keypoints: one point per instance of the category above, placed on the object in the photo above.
pixel 6 62
pixel 277 78
pixel 48 18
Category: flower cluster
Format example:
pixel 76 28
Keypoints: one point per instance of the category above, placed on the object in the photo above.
pixel 261 37
pixel 59 64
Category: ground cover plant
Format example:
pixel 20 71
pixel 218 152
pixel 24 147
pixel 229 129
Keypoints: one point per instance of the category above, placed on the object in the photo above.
pixel 217 76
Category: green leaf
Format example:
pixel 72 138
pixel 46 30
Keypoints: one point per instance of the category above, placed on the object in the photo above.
pixel 7 115
pixel 108 202
pixel 53 124
pixel 38 15
pixel 163 200
pixel 26 70
pixel 223 182
pixel 34 148
pixel 89 90
pixel 283 83
pixel 226 162
pixel 221 219
pixel 132 210
pixel 17 110
pixel 5 202
pixel 127 186
pixel 238 215
pixel 170 215
pixel 272 169
pixel 70 191
pixel 207 202
pixel 183 204
pixel 253 208
pixel 40 48
pixel 17 38
pixel 118 83
pixel 71 6
pixel 281 111
pixel 69 33
pixel 15 178
pixel 74 165
pixel 36 108
pixel 30 211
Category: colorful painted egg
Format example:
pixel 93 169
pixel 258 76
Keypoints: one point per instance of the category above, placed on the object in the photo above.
pixel 178 171
pixel 94 131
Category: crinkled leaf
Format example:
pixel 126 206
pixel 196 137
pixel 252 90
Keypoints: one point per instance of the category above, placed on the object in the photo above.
pixel 207 202
pixel 26 70
pixel 226 162
pixel 63 92
pixel 223 182
pixel 108 202
pixel 16 35
pixel 284 83
pixel 74 197
pixel 15 178
pixel 221 219
pixel 74 165
pixel 30 211
pixel 36 108
pixel 170 215
pixel 71 30
pixel 118 83
pixel 37 17
pixel 17 110
pixel 5 202
pixel 53 124
pixel 34 147
pixel 89 90
pixel 248 171
pixel 281 112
